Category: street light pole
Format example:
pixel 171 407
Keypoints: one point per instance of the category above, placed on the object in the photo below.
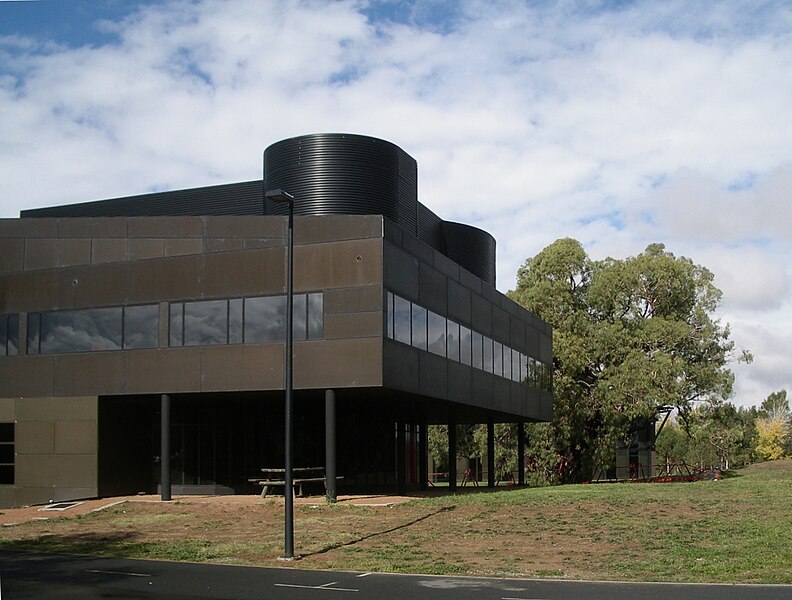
pixel 283 197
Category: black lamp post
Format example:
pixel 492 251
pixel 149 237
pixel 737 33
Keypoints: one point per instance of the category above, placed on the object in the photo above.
pixel 282 196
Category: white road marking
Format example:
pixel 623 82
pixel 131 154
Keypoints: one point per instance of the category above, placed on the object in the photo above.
pixel 324 586
pixel 118 573
pixel 365 574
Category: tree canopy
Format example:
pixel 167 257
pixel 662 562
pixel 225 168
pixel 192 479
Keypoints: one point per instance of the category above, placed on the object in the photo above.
pixel 629 336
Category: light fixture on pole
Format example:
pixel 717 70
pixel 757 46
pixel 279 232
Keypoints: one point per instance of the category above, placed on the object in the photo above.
pixel 283 197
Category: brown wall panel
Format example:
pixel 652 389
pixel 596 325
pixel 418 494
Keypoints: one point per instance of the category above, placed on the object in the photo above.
pixel 28 228
pixel 246 273
pixel 172 278
pixel 338 363
pixel 182 246
pixel 74 252
pixel 401 272
pixel 97 285
pixel 354 325
pixel 340 264
pixel 331 228
pixel 141 249
pixel 104 250
pixel 26 376
pixel 76 437
pixel 245 227
pixel 41 253
pixel 353 300
pixel 92 227
pixel 35 437
pixel 164 227
pixel 65 470
pixel 249 367
pixel 89 373
pixel 82 408
pixel 162 370
pixel 12 255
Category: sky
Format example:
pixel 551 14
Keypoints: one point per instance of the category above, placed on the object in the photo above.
pixel 619 124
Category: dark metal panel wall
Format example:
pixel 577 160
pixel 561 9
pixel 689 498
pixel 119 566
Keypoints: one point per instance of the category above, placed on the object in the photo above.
pixel 333 173
pixel 229 199
pixel 430 228
pixel 472 248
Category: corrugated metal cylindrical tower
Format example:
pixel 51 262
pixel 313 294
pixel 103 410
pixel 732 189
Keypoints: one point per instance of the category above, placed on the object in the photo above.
pixel 472 248
pixel 334 173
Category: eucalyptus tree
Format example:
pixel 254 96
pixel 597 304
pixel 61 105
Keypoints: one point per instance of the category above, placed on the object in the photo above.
pixel 629 336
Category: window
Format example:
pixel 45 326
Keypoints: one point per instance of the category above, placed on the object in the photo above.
pixel 141 326
pixel 465 345
pixel 419 327
pixel 7 454
pixel 9 335
pixel 515 375
pixel 401 320
pixel 265 319
pixel 87 330
pixel 478 351
pixel 437 334
pixel 315 316
pixel 206 323
pixel 389 315
pixel 497 358
pixel 452 350
pixel 236 310
pixel 487 354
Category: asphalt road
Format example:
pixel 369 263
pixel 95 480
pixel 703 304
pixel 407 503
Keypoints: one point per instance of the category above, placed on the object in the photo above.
pixel 51 576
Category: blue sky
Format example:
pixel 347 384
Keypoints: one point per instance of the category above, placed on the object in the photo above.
pixel 617 123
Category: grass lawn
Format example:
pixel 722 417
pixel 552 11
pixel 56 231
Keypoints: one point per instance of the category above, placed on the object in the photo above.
pixel 734 530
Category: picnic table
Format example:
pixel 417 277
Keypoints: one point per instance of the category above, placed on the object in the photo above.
pixel 273 477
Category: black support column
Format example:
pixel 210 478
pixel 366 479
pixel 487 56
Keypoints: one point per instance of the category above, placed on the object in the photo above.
pixel 330 446
pixel 165 450
pixel 423 456
pixel 490 453
pixel 521 453
pixel 401 463
pixel 452 451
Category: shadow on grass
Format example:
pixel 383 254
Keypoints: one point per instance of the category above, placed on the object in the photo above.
pixel 369 536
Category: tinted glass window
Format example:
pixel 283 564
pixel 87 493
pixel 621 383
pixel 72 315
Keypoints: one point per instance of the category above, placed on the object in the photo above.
pixel 437 334
pixel 235 310
pixel 478 350
pixel 453 340
pixel 389 316
pixel 300 317
pixel 176 324
pixel 531 374
pixel 515 365
pixel 13 335
pixel 265 319
pixel 419 327
pixel 487 354
pixel 3 334
pixel 81 330
pixel 141 326
pixel 315 316
pixel 401 320
pixel 497 358
pixel 33 333
pixel 465 348
pixel 206 323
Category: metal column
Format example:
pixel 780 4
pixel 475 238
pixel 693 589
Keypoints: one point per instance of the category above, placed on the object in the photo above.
pixel 165 450
pixel 330 446
pixel 452 451
pixel 521 453
pixel 490 453
pixel 401 463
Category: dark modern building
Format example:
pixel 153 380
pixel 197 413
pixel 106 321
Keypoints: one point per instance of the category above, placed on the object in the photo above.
pixel 109 308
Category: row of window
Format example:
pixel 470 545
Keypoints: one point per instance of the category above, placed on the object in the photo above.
pixel 9 335
pixel 412 324
pixel 7 454
pixel 199 323
pixel 245 320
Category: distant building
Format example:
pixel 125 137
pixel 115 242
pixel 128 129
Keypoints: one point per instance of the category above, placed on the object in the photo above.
pixel 107 306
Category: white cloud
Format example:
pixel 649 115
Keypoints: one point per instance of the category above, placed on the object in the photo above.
pixel 618 126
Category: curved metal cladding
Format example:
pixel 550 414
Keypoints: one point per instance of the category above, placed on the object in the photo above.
pixel 334 173
pixel 472 248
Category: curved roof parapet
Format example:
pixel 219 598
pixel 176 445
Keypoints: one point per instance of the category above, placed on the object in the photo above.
pixel 342 173
pixel 471 248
